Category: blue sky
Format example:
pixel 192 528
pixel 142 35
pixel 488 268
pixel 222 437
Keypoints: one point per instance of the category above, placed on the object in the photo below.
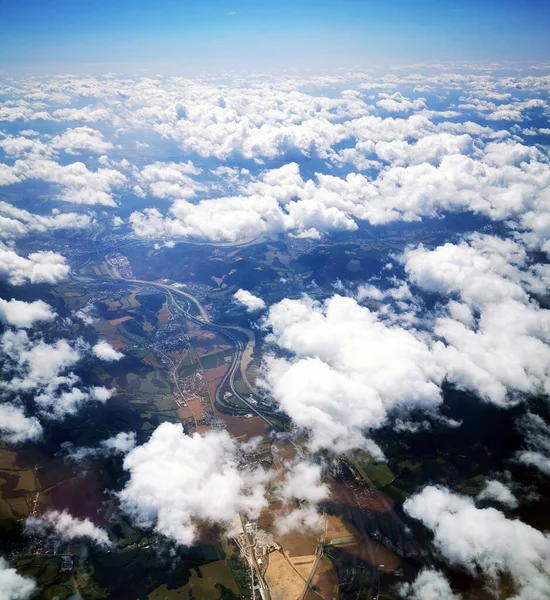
pixel 283 34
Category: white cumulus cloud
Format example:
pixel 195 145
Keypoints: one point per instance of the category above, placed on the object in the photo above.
pixel 349 370
pixel 495 338
pixel 24 314
pixel 537 441
pixel 106 352
pixel 63 526
pixel 16 427
pixel 14 586
pixel 428 585
pixel 38 267
pixel 121 443
pixel 496 490
pixel 485 539
pixel 302 483
pixel 44 369
pixel 247 299
pixel 178 480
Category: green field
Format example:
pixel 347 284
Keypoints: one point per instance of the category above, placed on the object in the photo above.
pixel 45 570
pixel 380 474
pixel 213 581
pixel 217 359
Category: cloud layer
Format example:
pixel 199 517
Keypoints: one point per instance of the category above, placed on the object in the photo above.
pixel 351 367
pixel 395 153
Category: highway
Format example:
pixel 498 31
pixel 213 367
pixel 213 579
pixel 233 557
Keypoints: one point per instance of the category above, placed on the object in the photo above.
pixel 236 335
pixel 174 290
pixel 236 363
pixel 232 333
pixel 318 555
pixel 255 567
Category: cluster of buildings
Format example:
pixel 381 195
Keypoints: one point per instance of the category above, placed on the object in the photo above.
pixel 120 265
